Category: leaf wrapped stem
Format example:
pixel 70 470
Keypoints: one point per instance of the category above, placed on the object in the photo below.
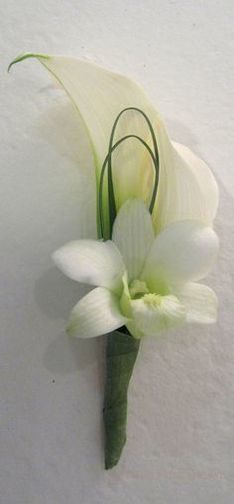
pixel 121 354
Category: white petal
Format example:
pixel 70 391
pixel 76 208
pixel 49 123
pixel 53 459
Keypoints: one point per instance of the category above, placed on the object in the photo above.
pixel 96 314
pixel 206 183
pixel 187 189
pixel 200 302
pixel 133 234
pixel 92 262
pixel 184 251
pixel 156 313
pixel 99 96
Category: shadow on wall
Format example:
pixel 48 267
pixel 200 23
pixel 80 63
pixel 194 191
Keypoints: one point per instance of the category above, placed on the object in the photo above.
pixel 55 294
pixel 66 355
pixel 63 129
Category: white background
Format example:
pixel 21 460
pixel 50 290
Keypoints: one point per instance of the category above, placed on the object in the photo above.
pixel 181 408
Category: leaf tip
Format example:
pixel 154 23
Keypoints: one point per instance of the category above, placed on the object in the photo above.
pixel 24 56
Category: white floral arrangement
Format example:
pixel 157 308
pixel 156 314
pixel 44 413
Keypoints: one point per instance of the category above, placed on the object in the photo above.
pixel 156 203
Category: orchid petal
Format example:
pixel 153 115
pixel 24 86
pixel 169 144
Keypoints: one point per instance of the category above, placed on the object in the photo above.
pixel 154 313
pixel 96 314
pixel 92 262
pixel 133 235
pixel 200 302
pixel 184 251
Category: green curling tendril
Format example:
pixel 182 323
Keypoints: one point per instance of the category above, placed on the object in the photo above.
pixel 103 173
pixel 108 164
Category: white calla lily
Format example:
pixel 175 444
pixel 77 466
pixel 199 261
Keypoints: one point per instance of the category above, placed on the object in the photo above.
pixel 187 188
pixel 157 276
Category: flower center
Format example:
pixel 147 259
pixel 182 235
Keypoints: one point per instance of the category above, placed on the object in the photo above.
pixel 137 289
pixel 140 289
pixel 152 300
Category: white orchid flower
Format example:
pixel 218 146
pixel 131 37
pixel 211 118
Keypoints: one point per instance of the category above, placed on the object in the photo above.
pixel 187 188
pixel 145 282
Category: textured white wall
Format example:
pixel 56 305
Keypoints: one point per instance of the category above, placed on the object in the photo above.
pixel 181 410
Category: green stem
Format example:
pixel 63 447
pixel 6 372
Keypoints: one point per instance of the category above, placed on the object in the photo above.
pixel 121 354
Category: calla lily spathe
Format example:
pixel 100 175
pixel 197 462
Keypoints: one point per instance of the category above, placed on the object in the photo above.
pixel 187 188
pixel 145 282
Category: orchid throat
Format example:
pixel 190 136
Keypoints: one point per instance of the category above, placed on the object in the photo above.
pixel 107 165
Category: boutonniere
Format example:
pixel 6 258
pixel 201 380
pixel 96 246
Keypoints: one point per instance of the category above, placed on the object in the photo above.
pixel 156 202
